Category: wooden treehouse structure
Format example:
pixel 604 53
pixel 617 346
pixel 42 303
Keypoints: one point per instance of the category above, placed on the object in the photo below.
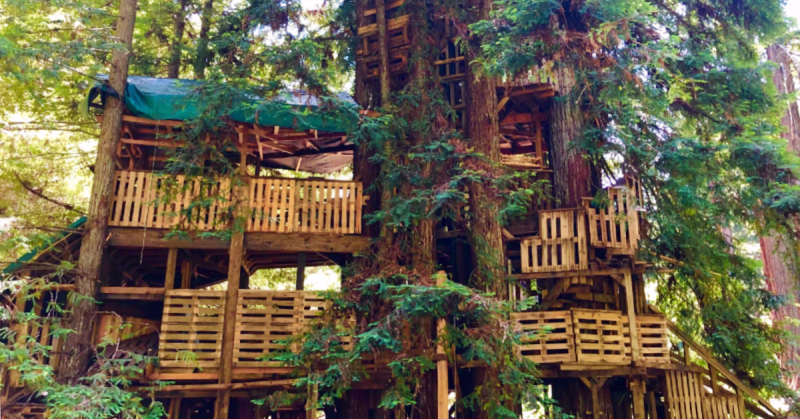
pixel 592 332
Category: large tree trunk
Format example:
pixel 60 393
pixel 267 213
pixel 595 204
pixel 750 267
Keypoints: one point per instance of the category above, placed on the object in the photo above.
pixel 174 67
pixel 203 54
pixel 482 129
pixel 367 96
pixel 87 281
pixel 571 169
pixel 779 268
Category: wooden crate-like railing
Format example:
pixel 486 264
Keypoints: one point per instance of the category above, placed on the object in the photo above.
pixel 551 336
pixel 684 395
pixel 139 201
pixel 600 336
pixel 523 161
pixel 276 205
pixel 653 338
pixel 266 320
pixel 305 206
pixel 615 225
pixel 722 407
pixel 561 243
pixel 191 328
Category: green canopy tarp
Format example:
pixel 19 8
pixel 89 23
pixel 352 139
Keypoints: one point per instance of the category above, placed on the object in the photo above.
pixel 181 100
pixel 24 259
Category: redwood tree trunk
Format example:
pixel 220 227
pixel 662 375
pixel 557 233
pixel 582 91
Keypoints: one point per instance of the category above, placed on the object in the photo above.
pixel 571 170
pixel 779 269
pixel 201 61
pixel 174 67
pixel 87 281
pixel 482 129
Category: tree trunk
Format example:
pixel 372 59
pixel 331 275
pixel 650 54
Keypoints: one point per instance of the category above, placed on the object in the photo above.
pixel 367 96
pixel 203 54
pixel 174 67
pixel 482 129
pixel 87 281
pixel 571 170
pixel 779 269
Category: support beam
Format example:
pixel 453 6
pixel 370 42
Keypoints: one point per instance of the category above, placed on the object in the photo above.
pixel 553 294
pixel 186 274
pixel 634 332
pixel 442 387
pixel 254 242
pixel 172 263
pixel 637 394
pixel 222 406
pixel 595 384
pixel 301 271
pixel 651 405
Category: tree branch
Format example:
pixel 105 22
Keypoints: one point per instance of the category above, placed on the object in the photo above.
pixel 40 194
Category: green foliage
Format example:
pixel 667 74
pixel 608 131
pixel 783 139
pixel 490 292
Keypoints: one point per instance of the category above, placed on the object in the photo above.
pixel 676 93
pixel 101 393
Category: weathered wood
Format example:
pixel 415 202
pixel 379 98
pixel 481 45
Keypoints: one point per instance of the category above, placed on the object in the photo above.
pixel 236 253
pixel 88 280
pixel 558 345
pixel 256 242
pixel 637 394
pixel 634 333
pixel 554 293
pixel 172 264
pixel 301 271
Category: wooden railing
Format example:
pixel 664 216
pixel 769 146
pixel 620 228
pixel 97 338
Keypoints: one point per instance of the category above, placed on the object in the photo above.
pixel 717 408
pixel 523 161
pixel 590 336
pixel 561 244
pixel 191 331
pixel 275 204
pixel 615 224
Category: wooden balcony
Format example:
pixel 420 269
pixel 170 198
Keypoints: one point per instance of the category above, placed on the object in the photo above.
pixel 591 337
pixel 277 205
pixel 192 329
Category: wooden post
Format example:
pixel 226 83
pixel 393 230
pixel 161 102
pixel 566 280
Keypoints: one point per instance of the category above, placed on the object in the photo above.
pixel 222 406
pixel 442 388
pixel 87 280
pixel 301 271
pixel 637 394
pixel 186 275
pixel 172 264
pixel 651 404
pixel 595 384
pixel 687 357
pixel 631 317
pixel 714 385
pixel 311 402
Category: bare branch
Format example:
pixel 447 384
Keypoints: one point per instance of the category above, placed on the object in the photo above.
pixel 40 194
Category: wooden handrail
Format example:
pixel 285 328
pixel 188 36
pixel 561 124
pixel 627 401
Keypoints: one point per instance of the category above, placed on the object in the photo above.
pixel 688 341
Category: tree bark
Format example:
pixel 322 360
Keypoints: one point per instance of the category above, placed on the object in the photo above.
pixel 485 232
pixel 174 66
pixel 364 170
pixel 87 281
pixel 571 169
pixel 779 268
pixel 203 54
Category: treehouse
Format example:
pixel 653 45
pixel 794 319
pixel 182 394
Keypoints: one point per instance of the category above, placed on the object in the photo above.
pixel 592 332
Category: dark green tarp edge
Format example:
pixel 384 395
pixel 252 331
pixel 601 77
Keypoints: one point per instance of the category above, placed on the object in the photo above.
pixel 181 100
pixel 24 259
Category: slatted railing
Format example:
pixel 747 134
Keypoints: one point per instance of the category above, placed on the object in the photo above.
pixel 590 336
pixel 275 204
pixel 191 328
pixel 561 244
pixel 266 320
pixel 615 223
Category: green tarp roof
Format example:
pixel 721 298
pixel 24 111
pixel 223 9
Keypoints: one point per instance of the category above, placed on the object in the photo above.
pixel 177 99
pixel 22 260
